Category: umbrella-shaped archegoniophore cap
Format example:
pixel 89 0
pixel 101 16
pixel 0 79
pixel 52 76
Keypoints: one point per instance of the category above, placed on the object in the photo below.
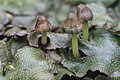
pixel 72 24
pixel 42 24
pixel 83 12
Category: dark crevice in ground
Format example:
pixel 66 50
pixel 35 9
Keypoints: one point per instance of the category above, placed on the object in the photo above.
pixel 116 3
pixel 2 37
pixel 90 74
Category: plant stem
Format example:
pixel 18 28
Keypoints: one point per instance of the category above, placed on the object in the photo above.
pixel 75 46
pixel 85 31
pixel 44 38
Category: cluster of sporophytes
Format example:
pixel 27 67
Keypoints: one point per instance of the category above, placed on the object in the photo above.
pixel 75 23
